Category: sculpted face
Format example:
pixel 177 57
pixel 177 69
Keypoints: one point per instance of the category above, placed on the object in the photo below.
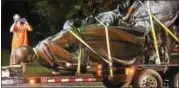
pixel 24 54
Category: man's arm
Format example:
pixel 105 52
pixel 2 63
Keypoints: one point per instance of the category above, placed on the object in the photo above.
pixel 29 27
pixel 12 27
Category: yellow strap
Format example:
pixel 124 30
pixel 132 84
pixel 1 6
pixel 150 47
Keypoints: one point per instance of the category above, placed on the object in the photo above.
pixel 108 47
pixel 36 52
pixel 161 24
pixel 79 61
pixel 166 28
pixel 83 42
pixel 153 31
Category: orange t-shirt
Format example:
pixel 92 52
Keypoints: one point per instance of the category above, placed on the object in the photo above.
pixel 20 37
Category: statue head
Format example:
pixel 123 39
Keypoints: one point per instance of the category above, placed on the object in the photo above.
pixel 24 54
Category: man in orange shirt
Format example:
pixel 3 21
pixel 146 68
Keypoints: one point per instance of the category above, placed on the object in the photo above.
pixel 20 27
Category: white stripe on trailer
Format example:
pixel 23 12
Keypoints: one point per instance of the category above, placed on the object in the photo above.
pixel 92 79
pixel 175 53
pixel 78 80
pixel 72 80
pixel 51 80
pixel 64 80
pixel 8 81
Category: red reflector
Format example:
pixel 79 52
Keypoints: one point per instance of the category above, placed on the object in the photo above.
pixel 85 79
pixel 43 79
pixel 57 80
pixel 72 80
pixel 98 79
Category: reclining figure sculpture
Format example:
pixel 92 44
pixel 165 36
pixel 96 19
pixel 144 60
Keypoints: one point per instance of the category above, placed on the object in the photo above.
pixel 58 50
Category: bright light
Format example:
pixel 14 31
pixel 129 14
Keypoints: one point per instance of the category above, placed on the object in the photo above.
pixel 129 71
pixel 99 72
pixel 32 81
pixel 99 66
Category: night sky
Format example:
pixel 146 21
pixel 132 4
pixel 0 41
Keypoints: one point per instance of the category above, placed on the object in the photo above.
pixel 22 7
pixel 8 9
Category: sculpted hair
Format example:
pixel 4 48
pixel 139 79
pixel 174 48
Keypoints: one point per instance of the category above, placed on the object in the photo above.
pixel 24 54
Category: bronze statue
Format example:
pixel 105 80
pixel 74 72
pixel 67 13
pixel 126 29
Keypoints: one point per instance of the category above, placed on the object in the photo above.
pixel 127 42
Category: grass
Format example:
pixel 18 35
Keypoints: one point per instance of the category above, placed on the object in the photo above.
pixel 5 54
pixel 38 70
pixel 32 68
pixel 35 68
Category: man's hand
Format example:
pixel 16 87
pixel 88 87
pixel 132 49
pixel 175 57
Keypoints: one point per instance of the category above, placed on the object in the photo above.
pixel 15 21
pixel 25 20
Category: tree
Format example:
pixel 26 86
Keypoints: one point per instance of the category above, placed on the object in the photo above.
pixel 53 13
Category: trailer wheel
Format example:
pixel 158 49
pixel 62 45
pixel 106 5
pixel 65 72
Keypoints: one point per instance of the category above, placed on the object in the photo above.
pixel 110 83
pixel 174 82
pixel 148 78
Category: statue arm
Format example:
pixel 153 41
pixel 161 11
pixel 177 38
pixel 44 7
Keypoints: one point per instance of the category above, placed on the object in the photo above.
pixel 131 9
pixel 24 66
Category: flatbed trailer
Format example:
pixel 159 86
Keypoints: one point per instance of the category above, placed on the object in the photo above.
pixel 132 75
pixel 135 75
pixel 93 75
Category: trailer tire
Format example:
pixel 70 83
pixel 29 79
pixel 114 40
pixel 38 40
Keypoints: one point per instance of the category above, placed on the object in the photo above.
pixel 148 78
pixel 110 83
pixel 174 81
